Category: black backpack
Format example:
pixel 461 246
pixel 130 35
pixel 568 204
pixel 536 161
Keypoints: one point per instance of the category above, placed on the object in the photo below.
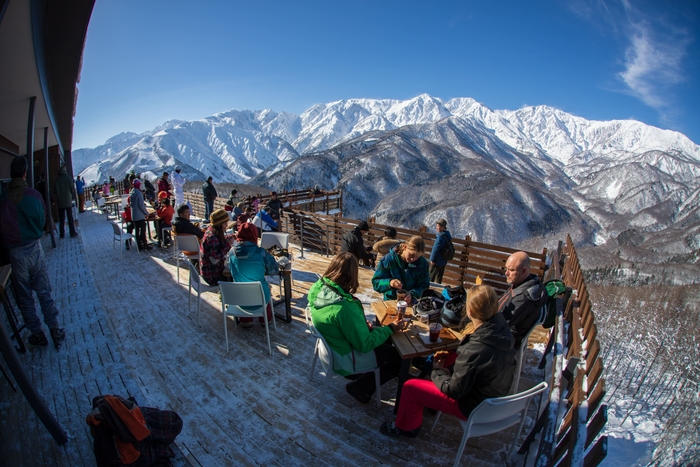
pixel 448 252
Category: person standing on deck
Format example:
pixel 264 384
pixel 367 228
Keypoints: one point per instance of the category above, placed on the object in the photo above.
pixel 352 242
pixel 437 259
pixel 65 195
pixel 178 185
pixel 22 220
pixel 164 184
pixel 138 215
pixel 210 195
pixel 80 189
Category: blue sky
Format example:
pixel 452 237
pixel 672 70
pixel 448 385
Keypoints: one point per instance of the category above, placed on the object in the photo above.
pixel 146 62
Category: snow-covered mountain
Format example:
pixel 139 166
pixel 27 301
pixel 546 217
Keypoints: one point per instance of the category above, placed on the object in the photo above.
pixel 502 176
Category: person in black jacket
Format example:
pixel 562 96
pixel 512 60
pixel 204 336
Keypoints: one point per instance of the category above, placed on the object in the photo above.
pixel 275 206
pixel 352 242
pixel 521 304
pixel 484 364
pixel 210 195
pixel 182 224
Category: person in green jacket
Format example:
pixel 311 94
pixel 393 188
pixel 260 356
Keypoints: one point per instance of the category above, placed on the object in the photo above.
pixel 357 345
pixel 403 268
pixel 65 195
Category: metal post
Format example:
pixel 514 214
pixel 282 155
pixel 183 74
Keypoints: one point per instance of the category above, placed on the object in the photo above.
pixel 328 243
pixel 301 234
pixel 47 197
pixel 40 408
pixel 30 142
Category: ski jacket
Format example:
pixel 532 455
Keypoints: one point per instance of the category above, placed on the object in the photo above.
pixel 65 189
pixel 521 306
pixel 22 214
pixel 484 367
pixel 439 245
pixel 184 226
pixel 250 263
pixel 209 192
pixel 352 242
pixel 415 276
pixel 138 206
pixel 340 319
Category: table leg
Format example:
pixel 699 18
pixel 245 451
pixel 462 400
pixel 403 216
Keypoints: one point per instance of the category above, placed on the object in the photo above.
pixel 403 377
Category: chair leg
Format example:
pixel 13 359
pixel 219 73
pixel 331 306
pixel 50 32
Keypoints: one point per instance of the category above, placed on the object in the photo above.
pixel 189 298
pixel 435 422
pixel 313 362
pixel 267 330
pixel 326 383
pixel 462 445
pixel 178 269
pixel 378 391
pixel 226 331
pixel 199 295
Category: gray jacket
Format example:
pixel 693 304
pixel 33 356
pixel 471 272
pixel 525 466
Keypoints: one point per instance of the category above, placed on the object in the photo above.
pixel 65 189
pixel 138 207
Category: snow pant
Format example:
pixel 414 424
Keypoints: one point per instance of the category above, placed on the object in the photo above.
pixel 29 275
pixel 419 393
pixel 62 214
pixel 436 273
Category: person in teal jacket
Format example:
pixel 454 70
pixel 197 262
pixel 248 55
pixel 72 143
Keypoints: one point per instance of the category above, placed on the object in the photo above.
pixel 357 345
pixel 250 263
pixel 403 268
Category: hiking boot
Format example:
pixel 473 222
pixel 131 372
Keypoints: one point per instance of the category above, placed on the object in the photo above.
pixel 389 429
pixel 38 339
pixel 58 335
pixel 74 234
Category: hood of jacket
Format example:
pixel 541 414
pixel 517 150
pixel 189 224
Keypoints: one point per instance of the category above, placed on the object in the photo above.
pixel 246 250
pixel 494 333
pixel 325 292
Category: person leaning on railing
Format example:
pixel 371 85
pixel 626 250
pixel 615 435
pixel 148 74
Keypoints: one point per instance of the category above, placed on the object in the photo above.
pixel 403 268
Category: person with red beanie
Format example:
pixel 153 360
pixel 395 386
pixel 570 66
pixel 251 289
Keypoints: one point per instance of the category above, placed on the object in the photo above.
pixel 250 263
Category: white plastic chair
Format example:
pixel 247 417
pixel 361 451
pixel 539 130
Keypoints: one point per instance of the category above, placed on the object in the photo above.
pixel 121 237
pixel 519 360
pixel 185 245
pixel 323 353
pixel 494 415
pixel 101 206
pixel 200 285
pixel 270 239
pixel 235 295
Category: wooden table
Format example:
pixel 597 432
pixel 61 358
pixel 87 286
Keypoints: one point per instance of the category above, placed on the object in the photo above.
pixel 409 344
pixel 115 204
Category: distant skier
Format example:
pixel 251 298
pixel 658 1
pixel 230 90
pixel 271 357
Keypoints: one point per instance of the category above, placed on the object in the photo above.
pixel 178 184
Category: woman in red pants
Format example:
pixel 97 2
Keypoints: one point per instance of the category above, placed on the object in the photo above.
pixel 482 368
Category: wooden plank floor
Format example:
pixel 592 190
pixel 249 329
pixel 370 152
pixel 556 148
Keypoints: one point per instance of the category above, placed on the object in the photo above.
pixel 130 333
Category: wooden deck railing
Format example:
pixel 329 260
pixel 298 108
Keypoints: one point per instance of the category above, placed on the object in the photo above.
pixel 323 233
pixel 574 417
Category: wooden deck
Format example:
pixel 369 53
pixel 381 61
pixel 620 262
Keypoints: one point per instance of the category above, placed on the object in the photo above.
pixel 129 333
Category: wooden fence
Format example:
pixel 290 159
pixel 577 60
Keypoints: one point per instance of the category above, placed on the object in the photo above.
pixel 570 424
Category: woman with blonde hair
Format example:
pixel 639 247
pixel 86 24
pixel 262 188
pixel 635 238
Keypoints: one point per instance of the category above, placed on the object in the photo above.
pixel 482 368
pixel 403 268
pixel 357 345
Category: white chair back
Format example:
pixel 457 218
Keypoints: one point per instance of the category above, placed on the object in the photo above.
pixel 235 295
pixel 519 361
pixel 186 247
pixel 270 239
pixel 186 243
pixel 494 415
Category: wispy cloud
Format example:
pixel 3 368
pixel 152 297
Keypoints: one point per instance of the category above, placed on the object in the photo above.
pixel 653 61
pixel 655 49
